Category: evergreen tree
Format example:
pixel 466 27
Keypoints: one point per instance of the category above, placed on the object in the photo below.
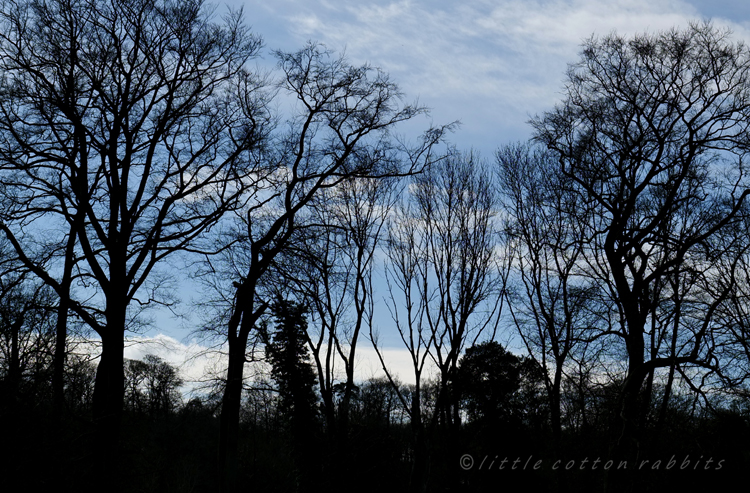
pixel 295 377
pixel 290 358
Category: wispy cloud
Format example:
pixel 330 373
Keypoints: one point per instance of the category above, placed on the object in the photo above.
pixel 489 63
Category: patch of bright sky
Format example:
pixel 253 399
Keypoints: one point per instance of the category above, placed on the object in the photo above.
pixel 490 64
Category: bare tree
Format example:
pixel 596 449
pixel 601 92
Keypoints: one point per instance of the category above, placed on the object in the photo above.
pixel 445 281
pixel 126 131
pixel 458 204
pixel 404 268
pixel 332 268
pixel 26 338
pixel 556 307
pixel 152 386
pixel 652 133
pixel 340 129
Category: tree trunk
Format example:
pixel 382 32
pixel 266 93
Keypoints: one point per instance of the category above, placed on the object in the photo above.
pixel 664 403
pixel 555 415
pixel 229 420
pixel 627 445
pixel 58 371
pixel 420 466
pixel 108 402
pixel 61 326
pixel 556 423
pixel 14 371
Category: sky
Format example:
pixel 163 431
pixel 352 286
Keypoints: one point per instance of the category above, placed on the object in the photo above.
pixel 492 65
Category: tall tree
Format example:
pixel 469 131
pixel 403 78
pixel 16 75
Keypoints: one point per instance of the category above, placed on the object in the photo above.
pixel 332 268
pixel 340 129
pixel 653 133
pixel 445 280
pixel 127 129
pixel 555 305
pixel 293 372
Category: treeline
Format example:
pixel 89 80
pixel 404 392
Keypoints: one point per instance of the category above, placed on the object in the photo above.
pixel 138 148
pixel 169 441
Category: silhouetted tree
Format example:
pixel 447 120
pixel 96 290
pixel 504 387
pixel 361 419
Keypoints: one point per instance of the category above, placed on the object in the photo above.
pixel 128 127
pixel 558 309
pixel 332 268
pixel 445 283
pixel 653 133
pixel 152 386
pixel 487 377
pixel 294 374
pixel 27 341
pixel 292 371
pixel 340 130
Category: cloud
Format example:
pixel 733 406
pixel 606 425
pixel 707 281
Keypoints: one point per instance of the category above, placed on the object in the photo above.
pixel 198 362
pixel 443 47
pixel 397 360
pixel 192 359
pixel 490 64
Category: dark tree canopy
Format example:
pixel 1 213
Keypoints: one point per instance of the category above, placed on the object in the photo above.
pixel 289 356
pixel 127 129
pixel 487 377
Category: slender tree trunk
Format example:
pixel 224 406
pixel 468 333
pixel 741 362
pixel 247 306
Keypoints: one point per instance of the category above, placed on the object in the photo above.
pixel 61 326
pixel 14 372
pixel 665 402
pixel 61 332
pixel 420 466
pixel 556 423
pixel 58 371
pixel 229 420
pixel 555 413
pixel 329 411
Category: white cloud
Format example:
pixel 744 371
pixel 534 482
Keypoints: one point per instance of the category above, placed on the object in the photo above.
pixel 397 360
pixel 193 359
pixel 487 63
pixel 198 362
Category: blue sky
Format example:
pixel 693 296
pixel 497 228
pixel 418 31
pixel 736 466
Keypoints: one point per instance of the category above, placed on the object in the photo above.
pixel 490 64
